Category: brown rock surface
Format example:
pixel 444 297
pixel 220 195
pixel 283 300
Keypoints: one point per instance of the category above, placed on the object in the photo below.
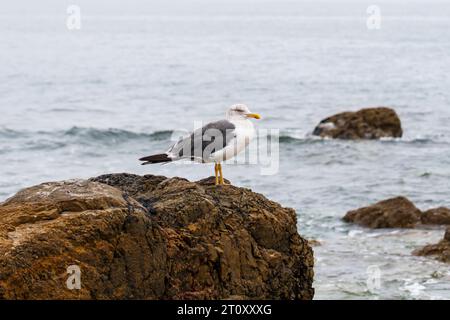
pixel 439 215
pixel 149 237
pixel 397 212
pixel 440 250
pixel 370 123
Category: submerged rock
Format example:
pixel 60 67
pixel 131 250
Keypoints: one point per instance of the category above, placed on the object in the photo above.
pixel 149 237
pixel 370 123
pixel 397 212
pixel 441 250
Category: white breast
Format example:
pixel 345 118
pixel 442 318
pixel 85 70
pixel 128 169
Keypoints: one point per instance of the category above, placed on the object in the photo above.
pixel 244 134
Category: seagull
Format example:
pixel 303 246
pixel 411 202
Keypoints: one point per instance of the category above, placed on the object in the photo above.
pixel 213 143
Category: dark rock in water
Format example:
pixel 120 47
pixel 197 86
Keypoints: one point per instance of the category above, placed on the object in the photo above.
pixel 441 250
pixel 401 213
pixel 397 212
pixel 149 237
pixel 370 123
pixel 439 216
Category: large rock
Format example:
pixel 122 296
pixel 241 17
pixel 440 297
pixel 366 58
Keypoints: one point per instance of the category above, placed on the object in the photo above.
pixel 440 251
pixel 150 237
pixel 439 216
pixel 397 212
pixel 370 123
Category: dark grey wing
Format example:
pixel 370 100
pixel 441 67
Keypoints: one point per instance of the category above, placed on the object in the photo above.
pixel 204 141
pixel 224 127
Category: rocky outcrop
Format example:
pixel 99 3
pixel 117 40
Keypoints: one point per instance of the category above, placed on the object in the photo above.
pixel 397 212
pixel 370 123
pixel 149 237
pixel 439 215
pixel 440 251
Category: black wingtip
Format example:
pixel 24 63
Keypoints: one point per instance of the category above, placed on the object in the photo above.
pixel 156 158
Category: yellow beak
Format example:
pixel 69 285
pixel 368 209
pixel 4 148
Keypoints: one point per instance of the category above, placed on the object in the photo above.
pixel 253 115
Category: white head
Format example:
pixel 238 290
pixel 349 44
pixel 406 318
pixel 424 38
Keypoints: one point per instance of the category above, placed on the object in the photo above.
pixel 239 112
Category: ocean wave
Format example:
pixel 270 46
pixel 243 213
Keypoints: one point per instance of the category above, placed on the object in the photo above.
pixel 419 140
pixel 115 135
pixel 10 133
pixel 78 135
pixel 286 138
pixel 295 139
pixel 94 134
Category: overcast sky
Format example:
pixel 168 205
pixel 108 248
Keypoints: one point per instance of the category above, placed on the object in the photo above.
pixel 228 7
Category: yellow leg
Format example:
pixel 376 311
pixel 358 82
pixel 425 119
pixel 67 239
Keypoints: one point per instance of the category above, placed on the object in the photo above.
pixel 216 171
pixel 221 174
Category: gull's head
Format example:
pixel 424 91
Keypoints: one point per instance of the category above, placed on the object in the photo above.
pixel 241 111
